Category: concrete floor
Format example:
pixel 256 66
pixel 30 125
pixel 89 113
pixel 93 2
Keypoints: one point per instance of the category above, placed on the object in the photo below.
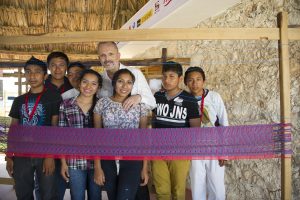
pixel 7 192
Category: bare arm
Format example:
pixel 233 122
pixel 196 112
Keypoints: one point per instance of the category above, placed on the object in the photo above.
pixel 62 122
pixel 14 121
pixel 99 177
pixel 9 160
pixel 195 122
pixel 144 172
pixel 142 88
pixel 64 171
pixel 54 120
pixel 48 163
pixel 143 122
pixel 97 121
pixel 132 101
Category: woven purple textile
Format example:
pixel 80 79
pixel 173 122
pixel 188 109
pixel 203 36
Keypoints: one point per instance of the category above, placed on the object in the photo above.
pixel 232 142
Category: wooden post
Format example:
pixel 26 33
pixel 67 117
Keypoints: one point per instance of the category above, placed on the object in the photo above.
pixel 164 55
pixel 285 105
pixel 19 81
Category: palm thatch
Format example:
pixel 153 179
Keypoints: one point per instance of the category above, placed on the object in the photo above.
pixel 35 17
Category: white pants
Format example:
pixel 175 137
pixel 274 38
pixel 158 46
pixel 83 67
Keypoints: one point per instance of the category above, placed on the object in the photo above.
pixel 207 180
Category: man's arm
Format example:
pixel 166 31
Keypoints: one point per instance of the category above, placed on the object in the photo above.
pixel 141 92
pixel 193 113
pixel 132 101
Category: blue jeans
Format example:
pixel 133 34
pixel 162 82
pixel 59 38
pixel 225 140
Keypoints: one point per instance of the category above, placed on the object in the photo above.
pixel 81 179
pixel 24 169
pixel 125 185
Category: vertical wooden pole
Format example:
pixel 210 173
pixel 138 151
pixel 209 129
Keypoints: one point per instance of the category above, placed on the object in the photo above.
pixel 164 55
pixel 19 81
pixel 285 100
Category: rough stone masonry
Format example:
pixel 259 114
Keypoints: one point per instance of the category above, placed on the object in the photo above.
pixel 246 74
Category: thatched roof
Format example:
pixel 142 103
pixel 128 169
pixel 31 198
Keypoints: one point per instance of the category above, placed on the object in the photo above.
pixel 36 17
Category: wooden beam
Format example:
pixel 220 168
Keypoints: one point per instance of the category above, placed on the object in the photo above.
pixel 7 181
pixel 146 35
pixel 15 74
pixel 24 83
pixel 285 101
pixel 24 55
pixel 294 33
pixel 127 62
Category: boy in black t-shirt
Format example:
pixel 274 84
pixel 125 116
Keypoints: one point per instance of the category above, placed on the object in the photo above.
pixel 58 83
pixel 57 64
pixel 38 107
pixel 175 108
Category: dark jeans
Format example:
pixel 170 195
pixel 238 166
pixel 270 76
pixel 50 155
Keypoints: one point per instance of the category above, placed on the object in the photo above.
pixel 125 185
pixel 24 169
pixel 79 180
pixel 142 193
pixel 37 188
pixel 60 182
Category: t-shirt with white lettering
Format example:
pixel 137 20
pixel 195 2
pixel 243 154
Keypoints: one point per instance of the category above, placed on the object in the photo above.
pixel 175 112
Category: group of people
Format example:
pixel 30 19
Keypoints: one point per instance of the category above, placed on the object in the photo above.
pixel 118 98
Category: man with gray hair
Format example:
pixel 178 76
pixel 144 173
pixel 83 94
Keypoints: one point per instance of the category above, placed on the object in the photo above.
pixel 109 56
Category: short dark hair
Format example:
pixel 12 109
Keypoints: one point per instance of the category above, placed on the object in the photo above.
pixel 172 66
pixel 117 74
pixel 37 62
pixel 57 54
pixel 76 64
pixel 90 71
pixel 193 69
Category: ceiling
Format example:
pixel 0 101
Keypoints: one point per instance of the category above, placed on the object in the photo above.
pixel 37 17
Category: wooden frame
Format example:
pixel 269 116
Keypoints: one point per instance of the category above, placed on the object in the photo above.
pixel 285 100
pixel 153 35
pixel 283 34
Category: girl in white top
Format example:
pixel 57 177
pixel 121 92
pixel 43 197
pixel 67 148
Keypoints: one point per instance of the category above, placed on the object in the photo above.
pixel 207 176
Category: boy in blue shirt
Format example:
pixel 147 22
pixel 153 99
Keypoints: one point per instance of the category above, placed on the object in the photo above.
pixel 38 107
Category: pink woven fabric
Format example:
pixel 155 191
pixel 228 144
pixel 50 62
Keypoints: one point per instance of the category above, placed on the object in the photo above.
pixel 232 142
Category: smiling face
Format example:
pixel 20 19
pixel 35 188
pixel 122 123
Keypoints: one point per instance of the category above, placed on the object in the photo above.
pixel 124 84
pixel 58 68
pixel 35 76
pixel 109 56
pixel 89 85
pixel 195 83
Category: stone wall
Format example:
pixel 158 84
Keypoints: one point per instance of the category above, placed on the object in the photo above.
pixel 245 73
